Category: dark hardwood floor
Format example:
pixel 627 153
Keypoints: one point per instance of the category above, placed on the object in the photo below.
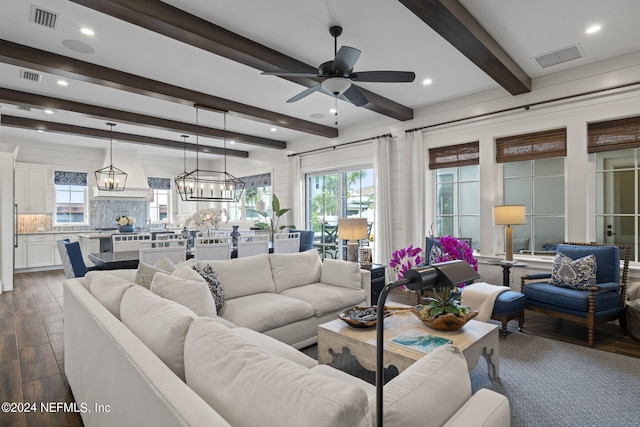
pixel 32 351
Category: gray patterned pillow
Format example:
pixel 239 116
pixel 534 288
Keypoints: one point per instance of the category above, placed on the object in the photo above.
pixel 215 285
pixel 145 273
pixel 575 274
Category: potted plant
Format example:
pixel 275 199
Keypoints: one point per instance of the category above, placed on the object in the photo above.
pixel 271 221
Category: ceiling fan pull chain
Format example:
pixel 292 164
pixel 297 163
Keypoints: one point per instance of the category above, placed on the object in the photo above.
pixel 336 109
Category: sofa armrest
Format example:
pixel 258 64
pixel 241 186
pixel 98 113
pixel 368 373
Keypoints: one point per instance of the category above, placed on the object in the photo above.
pixel 365 280
pixel 485 408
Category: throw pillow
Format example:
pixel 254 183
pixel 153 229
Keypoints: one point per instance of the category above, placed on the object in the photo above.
pixel 192 294
pixel 215 285
pixel 145 273
pixel 166 264
pixel 574 274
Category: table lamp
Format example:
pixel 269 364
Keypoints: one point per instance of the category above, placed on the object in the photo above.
pixel 353 230
pixel 441 275
pixel 509 215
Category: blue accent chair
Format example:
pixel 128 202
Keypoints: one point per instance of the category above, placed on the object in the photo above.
pixel 306 239
pixel 602 303
pixel 72 260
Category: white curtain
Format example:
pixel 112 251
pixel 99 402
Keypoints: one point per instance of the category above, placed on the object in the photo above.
pixel 384 224
pixel 295 193
pixel 414 191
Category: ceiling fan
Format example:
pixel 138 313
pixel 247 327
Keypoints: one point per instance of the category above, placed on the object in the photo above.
pixel 338 75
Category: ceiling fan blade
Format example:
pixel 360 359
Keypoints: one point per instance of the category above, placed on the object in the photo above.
pixel 345 59
pixel 305 92
pixel 355 96
pixel 289 74
pixel 383 76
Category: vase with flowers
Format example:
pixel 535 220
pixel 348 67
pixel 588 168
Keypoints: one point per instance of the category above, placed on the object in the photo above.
pixel 125 223
pixel 443 309
pixel 208 220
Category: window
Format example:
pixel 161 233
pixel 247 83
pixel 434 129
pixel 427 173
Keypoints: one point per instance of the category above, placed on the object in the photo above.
pixel 340 194
pixel 256 196
pixel 71 198
pixel 457 179
pixel 159 206
pixel 533 176
pixel 616 144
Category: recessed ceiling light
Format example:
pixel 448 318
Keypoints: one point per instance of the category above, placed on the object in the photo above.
pixel 333 111
pixel 87 31
pixel 593 29
pixel 40 130
pixel 231 141
pixel 63 83
pixel 273 129
pixel 427 82
pixel 48 111
pixel 317 116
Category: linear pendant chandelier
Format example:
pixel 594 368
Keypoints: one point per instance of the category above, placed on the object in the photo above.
pixel 110 178
pixel 207 185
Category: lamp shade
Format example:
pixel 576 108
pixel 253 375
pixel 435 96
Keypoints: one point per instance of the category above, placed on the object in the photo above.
pixel 352 228
pixel 336 85
pixel 509 215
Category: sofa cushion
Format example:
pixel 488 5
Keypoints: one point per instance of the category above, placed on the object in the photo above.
pixel 166 264
pixel 297 269
pixel 274 347
pixel 607 258
pixel 192 294
pixel 109 289
pixel 161 324
pixel 262 312
pixel 574 274
pixel 546 295
pixel 327 298
pixel 428 392
pixel 244 276
pixel 129 274
pixel 145 272
pixel 214 283
pixel 337 272
pixel 251 388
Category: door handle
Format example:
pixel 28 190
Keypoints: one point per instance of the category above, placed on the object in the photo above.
pixel 15 225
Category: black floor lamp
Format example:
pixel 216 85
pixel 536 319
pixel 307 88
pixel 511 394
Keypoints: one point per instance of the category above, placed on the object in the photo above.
pixel 442 275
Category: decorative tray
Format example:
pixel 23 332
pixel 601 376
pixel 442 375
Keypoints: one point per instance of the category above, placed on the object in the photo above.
pixel 361 317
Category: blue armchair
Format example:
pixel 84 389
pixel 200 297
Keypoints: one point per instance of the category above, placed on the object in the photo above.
pixel 72 260
pixel 598 304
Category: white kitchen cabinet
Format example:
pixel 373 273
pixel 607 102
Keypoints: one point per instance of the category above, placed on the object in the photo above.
pixel 40 250
pixel 32 189
pixel 73 237
pixel 21 253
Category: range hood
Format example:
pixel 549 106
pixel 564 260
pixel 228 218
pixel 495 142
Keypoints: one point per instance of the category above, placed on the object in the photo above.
pixel 137 186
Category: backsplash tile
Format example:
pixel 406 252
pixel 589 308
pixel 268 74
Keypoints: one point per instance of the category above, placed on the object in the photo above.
pixel 103 213
pixel 34 223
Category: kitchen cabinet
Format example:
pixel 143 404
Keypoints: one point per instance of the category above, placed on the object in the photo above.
pixel 73 237
pixel 40 250
pixel 32 189
pixel 20 254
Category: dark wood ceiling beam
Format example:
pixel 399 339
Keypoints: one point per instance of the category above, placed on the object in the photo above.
pixel 25 56
pixel 458 27
pixel 177 24
pixel 39 101
pixel 25 123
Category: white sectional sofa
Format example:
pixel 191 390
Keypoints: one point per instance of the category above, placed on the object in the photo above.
pixel 151 360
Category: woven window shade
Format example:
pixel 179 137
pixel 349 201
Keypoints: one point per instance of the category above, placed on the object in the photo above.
pixel 614 135
pixel 454 155
pixel 531 146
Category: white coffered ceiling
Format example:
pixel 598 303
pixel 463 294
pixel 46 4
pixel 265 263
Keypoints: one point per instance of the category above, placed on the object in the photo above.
pixel 390 36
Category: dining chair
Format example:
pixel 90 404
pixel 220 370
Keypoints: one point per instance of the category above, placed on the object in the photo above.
pixel 72 261
pixel 207 248
pixel 306 239
pixel 174 253
pixel 286 243
pixel 130 242
pixel 253 245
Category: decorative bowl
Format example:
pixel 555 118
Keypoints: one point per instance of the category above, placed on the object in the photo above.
pixel 361 317
pixel 445 322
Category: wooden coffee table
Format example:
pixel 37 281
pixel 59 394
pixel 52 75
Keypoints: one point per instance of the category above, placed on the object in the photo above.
pixel 474 339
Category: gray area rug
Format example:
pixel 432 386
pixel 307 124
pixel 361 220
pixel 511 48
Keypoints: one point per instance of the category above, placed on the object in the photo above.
pixel 549 383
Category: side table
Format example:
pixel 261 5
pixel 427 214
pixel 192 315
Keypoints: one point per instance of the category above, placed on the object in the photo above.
pixel 506 268
pixel 378 280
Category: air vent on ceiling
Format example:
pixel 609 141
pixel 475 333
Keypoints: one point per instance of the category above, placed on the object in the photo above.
pixel 30 75
pixel 559 56
pixel 43 17
pixel 24 108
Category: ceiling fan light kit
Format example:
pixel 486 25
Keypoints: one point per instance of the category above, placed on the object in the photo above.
pixel 336 85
